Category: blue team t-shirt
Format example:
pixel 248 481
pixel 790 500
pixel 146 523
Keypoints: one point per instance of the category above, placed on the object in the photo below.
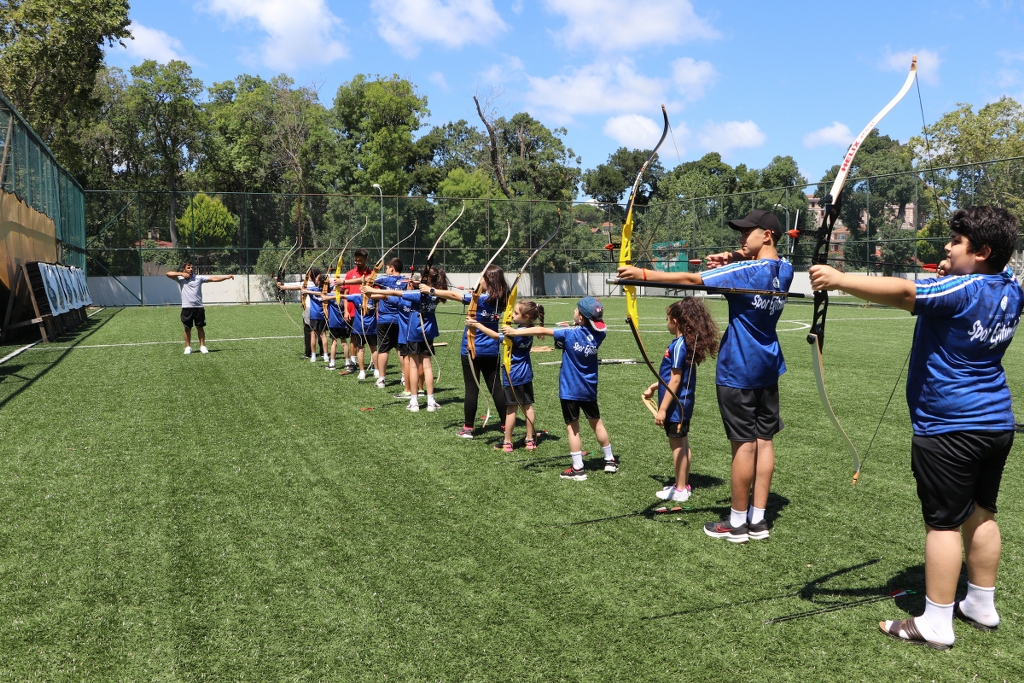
pixel 404 308
pixel 486 313
pixel 335 316
pixel 316 310
pixel 676 359
pixel 956 380
pixel 422 320
pixel 365 326
pixel 522 367
pixel 750 356
pixel 577 380
pixel 387 314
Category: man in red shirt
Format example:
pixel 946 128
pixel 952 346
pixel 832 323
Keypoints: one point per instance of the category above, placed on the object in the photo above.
pixel 353 281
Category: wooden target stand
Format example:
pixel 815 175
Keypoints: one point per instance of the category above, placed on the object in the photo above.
pixel 29 292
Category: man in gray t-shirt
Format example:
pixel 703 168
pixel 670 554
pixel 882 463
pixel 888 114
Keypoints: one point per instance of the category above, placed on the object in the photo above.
pixel 192 310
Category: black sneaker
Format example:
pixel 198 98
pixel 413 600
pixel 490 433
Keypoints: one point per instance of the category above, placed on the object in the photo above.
pixel 575 475
pixel 725 530
pixel 759 530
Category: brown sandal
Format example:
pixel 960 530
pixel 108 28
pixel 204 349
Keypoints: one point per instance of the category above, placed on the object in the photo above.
pixel 913 636
pixel 959 614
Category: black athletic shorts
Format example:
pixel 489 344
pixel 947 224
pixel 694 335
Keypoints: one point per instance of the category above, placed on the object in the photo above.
pixel 750 414
pixel 360 341
pixel 339 332
pixel 571 410
pixel 387 337
pixel 420 348
pixel 677 430
pixel 318 325
pixel 193 316
pixel 957 470
pixel 403 349
pixel 524 394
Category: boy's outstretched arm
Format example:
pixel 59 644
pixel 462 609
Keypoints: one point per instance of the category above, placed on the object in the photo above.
pixel 635 273
pixel 220 278
pixel 889 291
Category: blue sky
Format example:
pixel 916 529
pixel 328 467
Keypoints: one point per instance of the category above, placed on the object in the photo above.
pixel 748 79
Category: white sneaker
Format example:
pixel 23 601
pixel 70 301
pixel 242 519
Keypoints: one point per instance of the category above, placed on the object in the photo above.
pixel 188 350
pixel 432 406
pixel 671 493
pixel 379 384
pixel 413 407
pixel 203 349
pixel 362 374
pixel 312 359
pixel 330 366
pixel 327 358
pixel 376 373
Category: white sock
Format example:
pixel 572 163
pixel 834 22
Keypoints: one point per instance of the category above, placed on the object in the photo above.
pixel 577 460
pixel 756 515
pixel 353 359
pixel 936 623
pixel 607 450
pixel 737 518
pixel 980 605
pixel 430 398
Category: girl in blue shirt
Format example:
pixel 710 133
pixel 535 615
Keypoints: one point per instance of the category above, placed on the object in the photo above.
pixel 337 325
pixel 696 338
pixel 960 410
pixel 419 331
pixel 317 320
pixel 364 331
pixel 518 383
pixel 577 380
pixel 490 306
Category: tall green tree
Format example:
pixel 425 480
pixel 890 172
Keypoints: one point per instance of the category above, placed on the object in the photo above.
pixel 609 182
pixel 163 99
pixel 529 160
pixel 443 149
pixel 963 136
pixel 374 121
pixel 50 54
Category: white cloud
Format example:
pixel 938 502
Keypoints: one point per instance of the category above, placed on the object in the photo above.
pixel 438 79
pixel 151 43
pixel 500 74
pixel 299 31
pixel 615 25
pixel 406 24
pixel 927 64
pixel 838 134
pixel 639 132
pixel 596 88
pixel 692 77
pixel 730 135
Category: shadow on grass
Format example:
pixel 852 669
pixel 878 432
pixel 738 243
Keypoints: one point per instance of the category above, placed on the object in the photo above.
pixel 775 505
pixel 696 481
pixel 83 332
pixel 906 589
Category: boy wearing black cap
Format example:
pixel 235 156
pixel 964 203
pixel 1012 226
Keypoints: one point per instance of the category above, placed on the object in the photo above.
pixel 749 364
pixel 577 380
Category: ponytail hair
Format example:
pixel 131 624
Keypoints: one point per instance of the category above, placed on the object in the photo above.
pixel 534 311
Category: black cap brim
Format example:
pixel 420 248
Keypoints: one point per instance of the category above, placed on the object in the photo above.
pixel 742 224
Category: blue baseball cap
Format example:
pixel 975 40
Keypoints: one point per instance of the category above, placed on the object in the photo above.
pixel 591 309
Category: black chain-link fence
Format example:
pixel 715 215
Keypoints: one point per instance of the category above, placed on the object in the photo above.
pixel 893 223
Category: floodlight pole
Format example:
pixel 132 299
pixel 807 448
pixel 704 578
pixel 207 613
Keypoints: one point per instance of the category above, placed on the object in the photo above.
pixel 377 187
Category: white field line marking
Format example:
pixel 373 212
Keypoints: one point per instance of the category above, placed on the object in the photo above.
pixel 29 346
pixel 154 343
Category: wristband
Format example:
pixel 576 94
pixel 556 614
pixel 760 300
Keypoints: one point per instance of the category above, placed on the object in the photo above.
pixel 645 274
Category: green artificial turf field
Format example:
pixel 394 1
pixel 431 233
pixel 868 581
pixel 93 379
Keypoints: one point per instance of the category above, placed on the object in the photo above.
pixel 236 516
